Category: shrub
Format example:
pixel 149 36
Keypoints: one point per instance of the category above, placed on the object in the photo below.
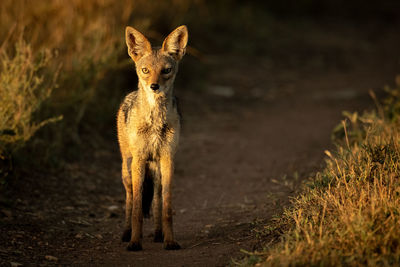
pixel 24 85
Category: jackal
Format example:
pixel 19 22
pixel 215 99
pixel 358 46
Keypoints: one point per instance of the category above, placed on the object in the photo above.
pixel 148 134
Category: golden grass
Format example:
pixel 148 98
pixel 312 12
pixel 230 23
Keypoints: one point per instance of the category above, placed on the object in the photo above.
pixel 82 40
pixel 349 213
pixel 23 89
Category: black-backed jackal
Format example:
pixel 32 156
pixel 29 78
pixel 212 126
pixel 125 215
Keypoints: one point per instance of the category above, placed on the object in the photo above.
pixel 148 134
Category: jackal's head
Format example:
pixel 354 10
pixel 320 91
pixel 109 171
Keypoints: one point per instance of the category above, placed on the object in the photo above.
pixel 157 68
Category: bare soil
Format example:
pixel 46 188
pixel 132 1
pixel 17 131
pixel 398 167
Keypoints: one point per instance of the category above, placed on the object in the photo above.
pixel 256 129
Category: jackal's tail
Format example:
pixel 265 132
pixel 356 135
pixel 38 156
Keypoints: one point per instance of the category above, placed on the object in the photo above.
pixel 148 192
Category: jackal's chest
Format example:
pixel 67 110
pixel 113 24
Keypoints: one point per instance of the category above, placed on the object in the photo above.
pixel 152 138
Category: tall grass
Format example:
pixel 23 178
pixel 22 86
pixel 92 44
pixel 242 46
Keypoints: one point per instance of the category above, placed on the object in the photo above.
pixel 24 85
pixel 74 45
pixel 349 213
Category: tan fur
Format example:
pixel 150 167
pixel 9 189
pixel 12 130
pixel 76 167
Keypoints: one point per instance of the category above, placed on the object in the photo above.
pixel 148 134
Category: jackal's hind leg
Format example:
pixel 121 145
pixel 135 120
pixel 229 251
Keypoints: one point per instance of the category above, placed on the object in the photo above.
pixel 157 207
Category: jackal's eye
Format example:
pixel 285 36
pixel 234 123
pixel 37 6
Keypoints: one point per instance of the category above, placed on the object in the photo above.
pixel 166 71
pixel 145 70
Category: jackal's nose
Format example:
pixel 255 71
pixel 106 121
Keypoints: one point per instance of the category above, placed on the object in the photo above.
pixel 154 86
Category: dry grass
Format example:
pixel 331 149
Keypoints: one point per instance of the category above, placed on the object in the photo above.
pixel 55 55
pixel 349 213
pixel 23 89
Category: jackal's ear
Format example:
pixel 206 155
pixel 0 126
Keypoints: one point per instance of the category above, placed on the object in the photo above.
pixel 175 43
pixel 138 45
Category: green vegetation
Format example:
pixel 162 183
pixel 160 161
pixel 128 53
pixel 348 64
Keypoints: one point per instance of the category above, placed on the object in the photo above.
pixel 349 213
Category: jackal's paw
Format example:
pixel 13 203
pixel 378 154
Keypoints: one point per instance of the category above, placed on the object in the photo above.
pixel 158 236
pixel 171 245
pixel 126 236
pixel 134 246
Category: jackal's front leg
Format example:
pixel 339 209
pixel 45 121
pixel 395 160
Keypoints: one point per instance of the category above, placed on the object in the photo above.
pixel 127 181
pixel 137 175
pixel 167 169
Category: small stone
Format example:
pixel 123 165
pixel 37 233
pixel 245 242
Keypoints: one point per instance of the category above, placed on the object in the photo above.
pixel 113 208
pixel 182 211
pixel 79 236
pixel 50 258
pixel 15 264
pixel 220 90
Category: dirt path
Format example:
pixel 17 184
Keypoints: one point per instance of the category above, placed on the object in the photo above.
pixel 245 139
